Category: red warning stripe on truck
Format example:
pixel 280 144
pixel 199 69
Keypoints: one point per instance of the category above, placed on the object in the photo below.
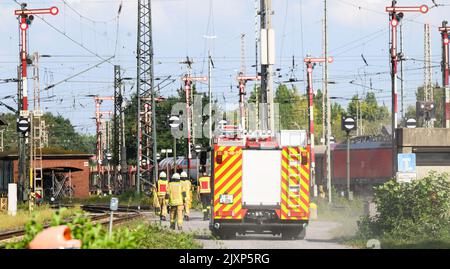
pixel 227 182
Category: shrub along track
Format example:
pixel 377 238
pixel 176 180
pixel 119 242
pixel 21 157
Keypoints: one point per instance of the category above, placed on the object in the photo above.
pixel 102 213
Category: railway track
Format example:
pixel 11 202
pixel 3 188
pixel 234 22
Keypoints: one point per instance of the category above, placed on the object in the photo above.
pixel 123 214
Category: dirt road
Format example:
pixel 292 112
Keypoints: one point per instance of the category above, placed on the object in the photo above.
pixel 318 236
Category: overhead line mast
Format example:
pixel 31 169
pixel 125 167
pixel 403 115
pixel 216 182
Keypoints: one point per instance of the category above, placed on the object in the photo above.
pixel 428 87
pixel 146 127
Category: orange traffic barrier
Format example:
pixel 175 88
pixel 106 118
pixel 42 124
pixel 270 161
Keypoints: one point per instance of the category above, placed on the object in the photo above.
pixel 58 237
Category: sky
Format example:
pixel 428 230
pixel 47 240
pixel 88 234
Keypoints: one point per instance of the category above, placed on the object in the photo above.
pixel 86 32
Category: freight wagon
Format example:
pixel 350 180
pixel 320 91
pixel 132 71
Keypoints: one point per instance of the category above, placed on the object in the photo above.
pixel 370 162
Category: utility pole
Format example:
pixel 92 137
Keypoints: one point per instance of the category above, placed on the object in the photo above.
pixel 257 41
pixel 324 85
pixel 445 74
pixel 401 59
pixel 242 85
pixel 210 67
pixel 395 16
pixel 100 133
pixel 38 127
pixel 145 93
pixel 117 132
pixel 328 122
pixel 123 155
pixel 25 17
pixel 267 62
pixel 242 79
pixel 428 72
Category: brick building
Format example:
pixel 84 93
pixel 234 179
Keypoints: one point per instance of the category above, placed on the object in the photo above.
pixel 70 169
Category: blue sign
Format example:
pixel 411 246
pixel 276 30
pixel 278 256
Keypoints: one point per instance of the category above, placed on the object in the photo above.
pixel 406 162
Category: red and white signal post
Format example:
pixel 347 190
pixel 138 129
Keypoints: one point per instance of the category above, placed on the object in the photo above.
pixel 26 16
pixel 187 87
pixel 242 81
pixel 309 67
pixel 445 73
pixel 395 16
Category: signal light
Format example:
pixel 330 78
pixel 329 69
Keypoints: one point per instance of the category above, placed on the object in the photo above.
pixel 54 11
pixel 399 16
pixel 23 26
pixel 424 9
pixel 394 22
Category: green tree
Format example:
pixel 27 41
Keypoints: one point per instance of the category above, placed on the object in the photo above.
pixel 164 135
pixel 62 135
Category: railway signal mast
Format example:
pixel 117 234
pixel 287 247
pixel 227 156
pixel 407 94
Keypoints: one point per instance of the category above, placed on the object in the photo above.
pixel 26 17
pixel 310 62
pixel 445 73
pixel 189 116
pixel 395 15
pixel 242 81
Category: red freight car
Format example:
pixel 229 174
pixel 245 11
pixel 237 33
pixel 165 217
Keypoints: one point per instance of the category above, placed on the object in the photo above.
pixel 370 164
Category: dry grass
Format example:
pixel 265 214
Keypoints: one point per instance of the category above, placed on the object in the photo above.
pixel 344 212
pixel 41 214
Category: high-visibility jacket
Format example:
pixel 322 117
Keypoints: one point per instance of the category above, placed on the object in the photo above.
pixel 175 192
pixel 187 188
pixel 204 185
pixel 162 187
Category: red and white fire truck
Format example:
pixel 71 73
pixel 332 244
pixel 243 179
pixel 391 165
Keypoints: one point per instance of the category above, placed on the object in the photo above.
pixel 260 184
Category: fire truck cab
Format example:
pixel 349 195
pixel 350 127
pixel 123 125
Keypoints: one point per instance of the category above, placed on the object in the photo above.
pixel 260 184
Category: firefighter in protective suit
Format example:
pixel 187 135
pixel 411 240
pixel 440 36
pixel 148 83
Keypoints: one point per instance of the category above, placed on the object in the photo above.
pixel 176 197
pixel 187 189
pixel 161 192
pixel 204 189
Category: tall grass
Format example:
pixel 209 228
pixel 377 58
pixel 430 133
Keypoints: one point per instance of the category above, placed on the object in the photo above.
pixel 41 214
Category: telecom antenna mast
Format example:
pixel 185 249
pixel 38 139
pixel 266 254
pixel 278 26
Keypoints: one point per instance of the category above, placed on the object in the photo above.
pixel 146 136
pixel 428 87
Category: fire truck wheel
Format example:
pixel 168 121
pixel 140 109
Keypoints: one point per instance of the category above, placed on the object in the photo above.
pixel 222 235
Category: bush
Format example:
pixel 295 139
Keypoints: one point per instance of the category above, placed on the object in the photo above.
pixel 410 211
pixel 94 236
